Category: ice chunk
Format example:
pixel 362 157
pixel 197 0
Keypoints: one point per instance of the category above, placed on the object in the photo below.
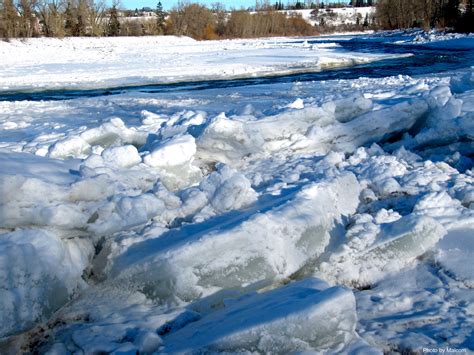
pixel 108 318
pixel 386 187
pixel 297 104
pixel 150 118
pixel 370 127
pixel 70 147
pixel 230 140
pixel 114 132
pixel 455 254
pixel 122 157
pixel 270 241
pixel 226 141
pixel 125 212
pixel 375 251
pixel 439 96
pixel 172 152
pixel 80 145
pixel 147 342
pixel 38 274
pixel 347 109
pixel 463 82
pixel 227 189
pixel 32 201
pixel 303 315
pixel 445 209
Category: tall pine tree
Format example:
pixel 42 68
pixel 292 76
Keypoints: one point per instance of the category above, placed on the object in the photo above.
pixel 113 26
pixel 160 18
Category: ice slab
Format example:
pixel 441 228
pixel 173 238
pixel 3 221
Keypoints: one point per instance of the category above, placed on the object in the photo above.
pixel 38 272
pixel 374 252
pixel 239 250
pixel 301 316
pixel 455 254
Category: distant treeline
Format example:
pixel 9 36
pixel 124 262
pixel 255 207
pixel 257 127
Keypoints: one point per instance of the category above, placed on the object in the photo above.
pixel 455 14
pixel 62 18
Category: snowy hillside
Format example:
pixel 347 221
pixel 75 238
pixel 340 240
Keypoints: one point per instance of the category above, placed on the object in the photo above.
pixel 323 211
pixel 337 16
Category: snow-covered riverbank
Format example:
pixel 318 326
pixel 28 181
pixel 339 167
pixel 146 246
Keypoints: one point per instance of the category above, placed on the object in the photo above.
pixel 78 63
pixel 335 216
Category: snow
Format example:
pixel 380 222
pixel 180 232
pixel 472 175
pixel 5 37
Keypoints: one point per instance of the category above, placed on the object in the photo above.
pixel 336 16
pixel 124 61
pixel 330 216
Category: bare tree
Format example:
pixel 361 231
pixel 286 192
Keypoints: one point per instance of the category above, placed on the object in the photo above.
pixel 51 16
pixel 192 20
pixel 27 18
pixel 96 16
pixel 410 13
pixel 10 19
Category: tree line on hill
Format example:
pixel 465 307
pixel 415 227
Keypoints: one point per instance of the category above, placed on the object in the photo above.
pixel 60 18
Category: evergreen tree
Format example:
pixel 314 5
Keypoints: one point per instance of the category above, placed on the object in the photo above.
pixel 113 26
pixel 79 27
pixel 366 20
pixel 160 17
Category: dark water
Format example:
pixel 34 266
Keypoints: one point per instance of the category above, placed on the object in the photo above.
pixel 424 60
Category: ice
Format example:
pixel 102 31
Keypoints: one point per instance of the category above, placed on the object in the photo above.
pixel 297 104
pixel 172 152
pixel 370 127
pixel 303 315
pixel 125 213
pixel 108 134
pixel 226 189
pixel 418 307
pixel 445 209
pixel 347 109
pixel 231 139
pixel 122 157
pixel 241 250
pixel 194 218
pixel 39 273
pixel 375 250
pixel 70 147
pixel 147 342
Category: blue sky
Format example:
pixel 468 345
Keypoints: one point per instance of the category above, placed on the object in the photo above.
pixel 168 4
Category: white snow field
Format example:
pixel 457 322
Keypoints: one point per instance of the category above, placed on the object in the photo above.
pixel 329 215
pixel 337 16
pixel 49 63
